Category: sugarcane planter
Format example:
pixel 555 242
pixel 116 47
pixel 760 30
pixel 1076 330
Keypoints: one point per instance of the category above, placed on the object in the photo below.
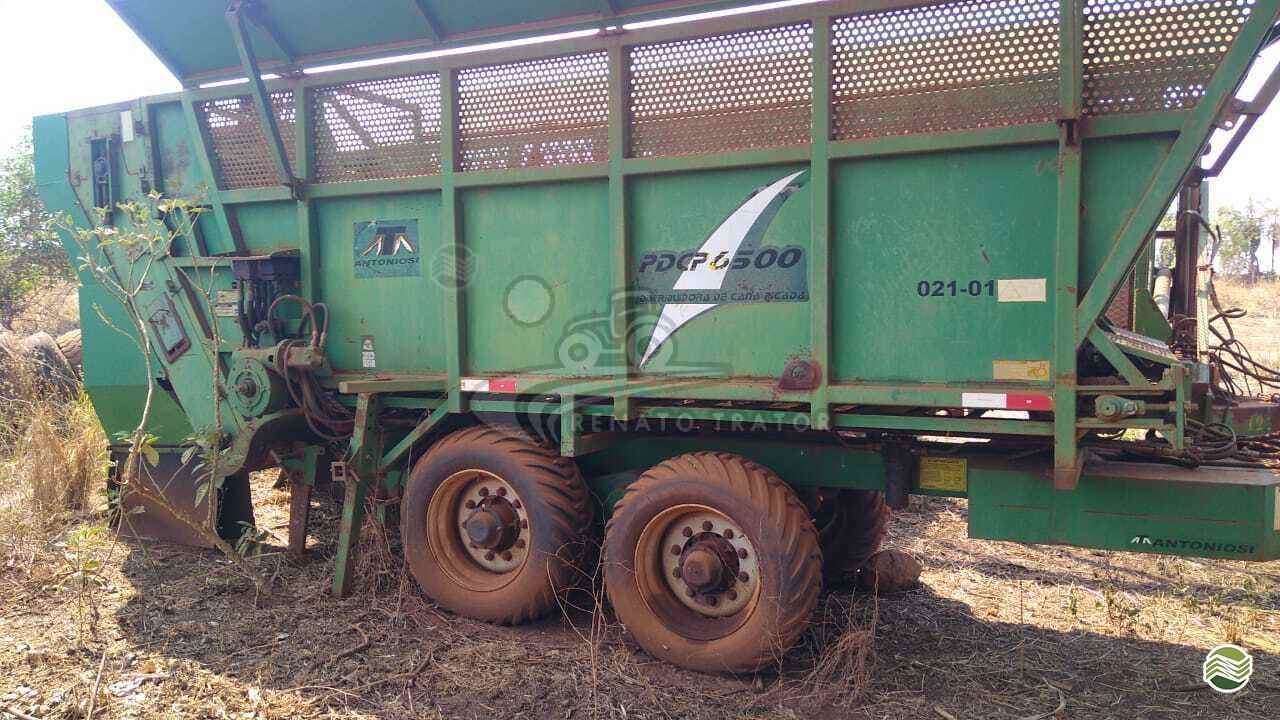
pixel 730 288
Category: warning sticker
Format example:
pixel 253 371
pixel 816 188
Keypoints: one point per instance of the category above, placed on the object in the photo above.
pixel 944 474
pixel 1034 370
pixel 368 358
pixel 1021 290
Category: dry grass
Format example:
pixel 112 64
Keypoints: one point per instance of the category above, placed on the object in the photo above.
pixel 1261 327
pixel 52 459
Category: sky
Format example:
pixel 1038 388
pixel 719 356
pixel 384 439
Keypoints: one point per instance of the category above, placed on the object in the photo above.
pixel 58 55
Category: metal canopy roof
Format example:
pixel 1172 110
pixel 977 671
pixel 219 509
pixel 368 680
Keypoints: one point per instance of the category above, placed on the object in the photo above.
pixel 194 41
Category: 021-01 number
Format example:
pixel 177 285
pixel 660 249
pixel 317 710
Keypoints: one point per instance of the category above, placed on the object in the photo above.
pixel 953 288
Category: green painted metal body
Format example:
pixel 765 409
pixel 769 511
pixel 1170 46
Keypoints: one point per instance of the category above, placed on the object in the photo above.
pixel 948 267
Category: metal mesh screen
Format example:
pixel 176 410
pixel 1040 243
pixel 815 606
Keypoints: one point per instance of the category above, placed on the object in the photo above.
pixel 957 66
pixel 538 113
pixel 722 93
pixel 1120 311
pixel 377 129
pixel 239 142
pixel 1154 55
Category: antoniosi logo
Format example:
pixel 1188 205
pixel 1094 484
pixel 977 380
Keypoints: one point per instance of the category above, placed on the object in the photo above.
pixel 1227 668
pixel 1186 544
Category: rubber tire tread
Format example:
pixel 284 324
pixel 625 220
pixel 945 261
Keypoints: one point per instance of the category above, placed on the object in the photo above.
pixel 863 518
pixel 557 502
pixel 786 539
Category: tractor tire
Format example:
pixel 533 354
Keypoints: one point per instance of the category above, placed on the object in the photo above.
pixel 858 526
pixel 495 525
pixel 712 563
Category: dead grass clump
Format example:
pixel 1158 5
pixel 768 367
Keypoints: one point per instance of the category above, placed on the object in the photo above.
pixel 842 671
pixel 53 458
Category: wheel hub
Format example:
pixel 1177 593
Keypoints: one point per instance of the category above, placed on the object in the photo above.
pixel 492 523
pixel 702 569
pixel 709 564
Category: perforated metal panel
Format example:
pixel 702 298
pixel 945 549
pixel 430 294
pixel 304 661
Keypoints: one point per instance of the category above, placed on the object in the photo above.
pixel 239 142
pixel 723 93
pixel 377 129
pixel 1120 311
pixel 956 66
pixel 1154 55
pixel 539 113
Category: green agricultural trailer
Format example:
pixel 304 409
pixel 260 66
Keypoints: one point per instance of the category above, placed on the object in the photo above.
pixel 737 284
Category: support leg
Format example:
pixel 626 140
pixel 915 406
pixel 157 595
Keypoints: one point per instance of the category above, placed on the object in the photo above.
pixel 359 475
pixel 300 487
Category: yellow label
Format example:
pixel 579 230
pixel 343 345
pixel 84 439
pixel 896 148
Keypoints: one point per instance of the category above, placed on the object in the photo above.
pixel 1020 369
pixel 944 474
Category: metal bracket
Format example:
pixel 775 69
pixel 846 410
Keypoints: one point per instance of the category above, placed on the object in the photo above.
pixel 237 12
pixel 1231 118
pixel 338 471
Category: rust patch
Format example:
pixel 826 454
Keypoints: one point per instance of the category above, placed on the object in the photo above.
pixel 800 374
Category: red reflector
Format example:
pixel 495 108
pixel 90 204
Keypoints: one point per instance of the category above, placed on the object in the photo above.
pixel 505 385
pixel 1021 401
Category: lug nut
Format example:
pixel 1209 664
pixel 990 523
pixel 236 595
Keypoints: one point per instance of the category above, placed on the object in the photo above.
pixel 489 556
pixel 742 553
pixel 470 504
pixel 728 533
pixel 484 492
pixel 711 600
pixel 733 594
pixel 524 523
pixel 516 504
pixel 743 577
pixel 502 492
pixel 506 555
pixel 706 526
pixel 687 532
pixel 676 573
pixel 520 544
pixel 675 549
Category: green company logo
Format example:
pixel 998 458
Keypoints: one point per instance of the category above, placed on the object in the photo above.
pixel 1227 668
pixel 387 248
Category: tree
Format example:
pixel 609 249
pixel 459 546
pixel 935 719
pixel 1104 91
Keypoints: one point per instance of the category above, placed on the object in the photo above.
pixel 1243 230
pixel 30 252
pixel 1164 248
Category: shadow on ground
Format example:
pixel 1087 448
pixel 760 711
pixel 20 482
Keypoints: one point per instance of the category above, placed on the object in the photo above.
pixel 387 653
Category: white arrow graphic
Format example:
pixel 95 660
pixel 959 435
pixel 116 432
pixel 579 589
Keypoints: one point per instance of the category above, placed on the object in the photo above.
pixel 726 239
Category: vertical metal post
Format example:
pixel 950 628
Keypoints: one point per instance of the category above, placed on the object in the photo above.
pixel 1066 461
pixel 619 72
pixel 302 133
pixel 258 89
pixel 360 478
pixel 569 425
pixel 820 224
pixel 452 279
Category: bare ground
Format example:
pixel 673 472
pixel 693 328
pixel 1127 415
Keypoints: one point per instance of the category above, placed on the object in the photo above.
pixel 996 630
